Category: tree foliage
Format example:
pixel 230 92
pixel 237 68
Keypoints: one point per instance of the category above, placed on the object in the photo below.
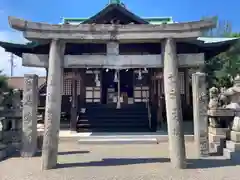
pixel 3 83
pixel 6 92
pixel 223 68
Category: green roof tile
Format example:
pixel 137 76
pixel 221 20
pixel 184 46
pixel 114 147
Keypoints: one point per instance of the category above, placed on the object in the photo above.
pixel 114 2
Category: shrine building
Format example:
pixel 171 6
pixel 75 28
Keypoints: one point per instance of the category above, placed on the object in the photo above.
pixel 112 67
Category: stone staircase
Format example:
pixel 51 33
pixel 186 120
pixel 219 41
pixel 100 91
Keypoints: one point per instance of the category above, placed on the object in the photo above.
pixel 106 118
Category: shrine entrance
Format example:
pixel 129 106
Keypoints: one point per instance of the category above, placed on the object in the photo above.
pixel 110 86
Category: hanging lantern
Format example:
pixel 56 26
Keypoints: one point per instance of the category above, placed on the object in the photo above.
pixel 107 70
pixel 115 76
pixel 139 75
pixel 97 81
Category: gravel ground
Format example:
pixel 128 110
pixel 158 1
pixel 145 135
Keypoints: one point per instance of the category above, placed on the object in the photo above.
pixel 123 162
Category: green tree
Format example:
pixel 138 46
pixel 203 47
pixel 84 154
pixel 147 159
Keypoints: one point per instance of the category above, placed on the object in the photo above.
pixel 6 92
pixel 230 64
pixel 224 67
pixel 3 83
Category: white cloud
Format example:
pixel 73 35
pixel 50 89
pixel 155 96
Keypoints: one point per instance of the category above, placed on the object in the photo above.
pixel 19 70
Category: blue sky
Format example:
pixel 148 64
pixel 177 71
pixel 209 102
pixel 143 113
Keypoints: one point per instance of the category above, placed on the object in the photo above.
pixel 53 10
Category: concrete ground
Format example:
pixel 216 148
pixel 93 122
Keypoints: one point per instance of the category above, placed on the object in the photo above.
pixel 123 162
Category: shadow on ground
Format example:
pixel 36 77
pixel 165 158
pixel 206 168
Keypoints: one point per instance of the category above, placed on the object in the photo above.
pixel 209 163
pixel 39 153
pixel 191 163
pixel 114 162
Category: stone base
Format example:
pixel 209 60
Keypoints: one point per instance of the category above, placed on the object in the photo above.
pixel 215 138
pixel 235 136
pixel 216 148
pixel 217 131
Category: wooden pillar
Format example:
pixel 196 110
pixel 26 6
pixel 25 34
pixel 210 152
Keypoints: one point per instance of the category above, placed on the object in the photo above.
pixel 173 104
pixel 82 88
pixel 160 104
pixel 53 105
pixel 74 103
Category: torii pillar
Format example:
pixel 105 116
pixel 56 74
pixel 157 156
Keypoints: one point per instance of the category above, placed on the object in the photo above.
pixel 173 104
pixel 53 105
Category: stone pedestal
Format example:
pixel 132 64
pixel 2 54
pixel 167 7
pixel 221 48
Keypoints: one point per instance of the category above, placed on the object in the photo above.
pixel 173 104
pixel 232 150
pixel 217 136
pixel 53 105
pixel 29 116
pixel 217 140
pixel 200 117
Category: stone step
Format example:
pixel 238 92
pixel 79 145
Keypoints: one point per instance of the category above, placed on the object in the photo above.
pixel 216 148
pixel 98 141
pixel 75 137
pixel 127 139
pixel 233 146
pixel 232 155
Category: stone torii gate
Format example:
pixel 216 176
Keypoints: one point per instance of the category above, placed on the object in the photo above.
pixel 59 35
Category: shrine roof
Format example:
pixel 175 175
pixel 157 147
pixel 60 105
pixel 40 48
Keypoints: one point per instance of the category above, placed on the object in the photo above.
pixel 150 20
pixel 118 11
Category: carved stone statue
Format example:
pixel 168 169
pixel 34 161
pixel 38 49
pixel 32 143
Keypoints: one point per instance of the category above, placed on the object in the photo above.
pixel 213 93
pixel 213 104
pixel 223 99
pixel 234 95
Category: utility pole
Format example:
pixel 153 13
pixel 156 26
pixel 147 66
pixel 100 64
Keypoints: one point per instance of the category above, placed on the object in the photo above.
pixel 11 64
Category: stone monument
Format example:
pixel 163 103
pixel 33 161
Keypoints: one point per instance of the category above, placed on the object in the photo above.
pixel 29 116
pixel 200 113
